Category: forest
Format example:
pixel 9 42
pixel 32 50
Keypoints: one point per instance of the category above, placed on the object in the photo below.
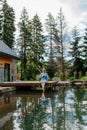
pixel 51 45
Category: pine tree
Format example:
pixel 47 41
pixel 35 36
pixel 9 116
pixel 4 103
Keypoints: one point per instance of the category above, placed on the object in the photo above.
pixel 24 41
pixel 1 20
pixel 50 27
pixel 8 27
pixel 37 44
pixel 84 49
pixel 75 43
pixel 61 24
pixel 76 52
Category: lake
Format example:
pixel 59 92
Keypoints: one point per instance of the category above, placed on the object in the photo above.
pixel 65 109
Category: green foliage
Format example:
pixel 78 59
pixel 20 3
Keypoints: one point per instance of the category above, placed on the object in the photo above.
pixel 31 46
pixel 72 78
pixel 76 53
pixel 7 29
pixel 37 44
pixel 24 42
pixel 81 78
pixel 84 77
pixel 1 20
pixel 38 77
pixel 84 49
pixel 75 48
pixel 50 25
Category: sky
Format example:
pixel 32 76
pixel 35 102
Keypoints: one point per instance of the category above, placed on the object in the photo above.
pixel 75 11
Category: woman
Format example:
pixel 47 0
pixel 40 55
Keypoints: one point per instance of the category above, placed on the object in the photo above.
pixel 44 78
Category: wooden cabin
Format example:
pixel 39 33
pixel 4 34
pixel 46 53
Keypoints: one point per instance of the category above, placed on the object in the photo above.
pixel 8 63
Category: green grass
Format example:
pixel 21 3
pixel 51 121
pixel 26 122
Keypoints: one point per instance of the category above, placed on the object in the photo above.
pixel 84 78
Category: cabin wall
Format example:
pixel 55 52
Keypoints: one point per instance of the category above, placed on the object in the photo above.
pixel 13 68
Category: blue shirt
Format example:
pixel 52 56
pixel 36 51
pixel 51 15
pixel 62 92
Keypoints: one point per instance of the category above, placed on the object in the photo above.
pixel 44 77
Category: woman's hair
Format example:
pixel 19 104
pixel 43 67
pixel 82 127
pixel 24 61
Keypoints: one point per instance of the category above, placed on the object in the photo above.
pixel 44 69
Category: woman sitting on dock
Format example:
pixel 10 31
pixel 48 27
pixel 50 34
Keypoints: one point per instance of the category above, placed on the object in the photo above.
pixel 44 78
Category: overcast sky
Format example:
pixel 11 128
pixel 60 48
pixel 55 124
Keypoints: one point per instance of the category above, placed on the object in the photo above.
pixel 75 11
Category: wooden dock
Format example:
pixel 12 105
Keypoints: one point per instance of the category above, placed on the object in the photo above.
pixel 27 83
pixel 79 83
pixel 38 84
pixel 24 85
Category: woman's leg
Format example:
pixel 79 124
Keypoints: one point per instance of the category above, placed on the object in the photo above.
pixel 43 85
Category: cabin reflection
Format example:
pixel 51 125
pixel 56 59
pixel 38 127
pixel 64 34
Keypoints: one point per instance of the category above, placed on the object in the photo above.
pixel 7 101
pixel 7 106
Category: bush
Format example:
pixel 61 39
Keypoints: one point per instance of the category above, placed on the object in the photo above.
pixel 84 78
pixel 72 78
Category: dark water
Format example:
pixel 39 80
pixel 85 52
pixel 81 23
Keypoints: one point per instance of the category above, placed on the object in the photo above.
pixel 65 109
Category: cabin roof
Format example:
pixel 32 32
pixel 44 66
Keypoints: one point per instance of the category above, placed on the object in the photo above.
pixel 7 51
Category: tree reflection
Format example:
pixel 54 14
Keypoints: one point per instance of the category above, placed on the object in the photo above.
pixel 65 109
pixel 81 105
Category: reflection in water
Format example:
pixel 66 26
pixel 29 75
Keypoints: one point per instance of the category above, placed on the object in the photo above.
pixel 44 102
pixel 62 110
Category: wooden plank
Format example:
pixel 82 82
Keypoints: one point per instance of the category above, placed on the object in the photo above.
pixel 79 82
pixel 27 83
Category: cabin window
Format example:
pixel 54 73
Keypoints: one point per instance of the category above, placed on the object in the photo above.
pixel 6 72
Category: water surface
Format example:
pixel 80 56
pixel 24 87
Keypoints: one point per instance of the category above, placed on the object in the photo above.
pixel 65 109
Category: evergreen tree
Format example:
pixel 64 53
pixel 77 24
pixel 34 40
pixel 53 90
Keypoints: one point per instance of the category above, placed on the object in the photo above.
pixel 50 27
pixel 24 41
pixel 76 53
pixel 37 44
pixel 75 44
pixel 1 20
pixel 84 49
pixel 61 24
pixel 8 27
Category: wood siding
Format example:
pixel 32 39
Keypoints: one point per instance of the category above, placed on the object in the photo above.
pixel 4 60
